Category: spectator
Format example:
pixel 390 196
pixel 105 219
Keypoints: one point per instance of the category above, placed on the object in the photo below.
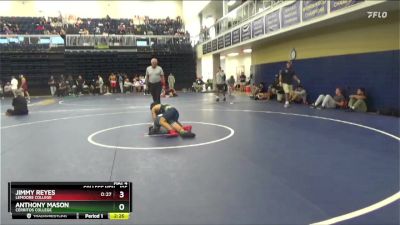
pixel 71 86
pixel 242 83
pixel 286 77
pixel 1 90
pixel 357 102
pixel 80 82
pixel 172 93
pixel 121 83
pixel 101 83
pixel 128 85
pixel 113 82
pixel 20 105
pixel 275 89
pixel 8 89
pixel 220 81
pixel 52 85
pixel 209 84
pixel 198 85
pixel 231 85
pixel 24 86
pixel 326 101
pixel 62 88
pixel 14 86
pixel 299 95
pixel 136 83
pixel 171 81
pixel 155 80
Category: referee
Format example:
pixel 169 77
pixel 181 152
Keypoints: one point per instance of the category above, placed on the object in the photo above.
pixel 155 80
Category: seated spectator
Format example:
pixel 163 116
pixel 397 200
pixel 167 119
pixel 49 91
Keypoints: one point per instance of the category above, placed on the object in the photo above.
pixel 242 82
pixel 260 93
pixel 172 93
pixel 7 89
pixel 20 105
pixel 327 101
pixel 198 85
pixel 128 86
pixel 209 84
pixel 136 84
pixel 299 95
pixel 357 102
pixel 62 88
pixel 80 82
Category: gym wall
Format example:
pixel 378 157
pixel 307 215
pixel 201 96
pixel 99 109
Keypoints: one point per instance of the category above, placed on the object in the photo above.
pixel 360 53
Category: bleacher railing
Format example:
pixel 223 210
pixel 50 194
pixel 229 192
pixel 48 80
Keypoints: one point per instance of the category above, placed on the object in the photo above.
pixel 244 12
pixel 25 40
pixel 105 41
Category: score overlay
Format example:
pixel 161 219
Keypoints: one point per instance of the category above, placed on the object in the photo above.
pixel 70 200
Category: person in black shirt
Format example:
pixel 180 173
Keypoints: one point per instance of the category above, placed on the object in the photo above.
pixel 20 105
pixel 286 77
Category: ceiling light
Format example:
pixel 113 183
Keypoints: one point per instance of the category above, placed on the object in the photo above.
pixel 248 50
pixel 231 2
pixel 233 54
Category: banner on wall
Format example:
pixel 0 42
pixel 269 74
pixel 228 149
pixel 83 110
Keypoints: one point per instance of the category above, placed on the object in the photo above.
pixel 209 47
pixel 272 22
pixel 236 36
pixel 340 4
pixel 290 15
pixel 245 32
pixel 214 45
pixel 204 49
pixel 257 27
pixel 228 39
pixel 314 8
pixel 221 42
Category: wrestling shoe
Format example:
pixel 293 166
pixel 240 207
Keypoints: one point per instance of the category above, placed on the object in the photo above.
pixel 187 134
pixel 187 128
pixel 172 133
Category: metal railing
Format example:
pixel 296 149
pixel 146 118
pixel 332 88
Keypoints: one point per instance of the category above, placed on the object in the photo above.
pixel 124 40
pixel 237 16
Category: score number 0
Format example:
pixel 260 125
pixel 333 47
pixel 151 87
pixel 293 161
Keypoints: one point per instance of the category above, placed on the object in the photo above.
pixel 121 206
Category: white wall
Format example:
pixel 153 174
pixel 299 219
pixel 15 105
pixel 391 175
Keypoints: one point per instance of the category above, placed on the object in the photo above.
pixel 190 15
pixel 232 65
pixel 97 9
pixel 207 67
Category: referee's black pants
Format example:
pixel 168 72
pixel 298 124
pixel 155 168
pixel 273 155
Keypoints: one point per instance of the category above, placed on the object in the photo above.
pixel 155 91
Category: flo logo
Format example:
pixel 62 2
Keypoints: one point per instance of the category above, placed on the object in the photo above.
pixel 377 15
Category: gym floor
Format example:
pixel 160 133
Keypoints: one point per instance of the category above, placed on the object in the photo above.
pixel 251 162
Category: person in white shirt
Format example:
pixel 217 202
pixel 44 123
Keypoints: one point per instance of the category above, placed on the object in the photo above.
pixel 14 86
pixel 101 83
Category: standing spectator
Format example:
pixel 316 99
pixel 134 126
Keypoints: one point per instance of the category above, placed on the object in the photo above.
pixel 171 81
pixel 231 85
pixel 357 101
pixel 20 105
pixel 286 77
pixel 71 87
pixel 220 79
pixel 113 82
pixel 326 101
pixel 101 83
pixel 155 80
pixel 52 84
pixel 79 84
pixel 14 86
pixel 121 82
pixel 24 86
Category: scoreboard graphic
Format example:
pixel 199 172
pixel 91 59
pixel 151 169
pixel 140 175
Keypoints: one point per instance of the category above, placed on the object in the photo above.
pixel 70 200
